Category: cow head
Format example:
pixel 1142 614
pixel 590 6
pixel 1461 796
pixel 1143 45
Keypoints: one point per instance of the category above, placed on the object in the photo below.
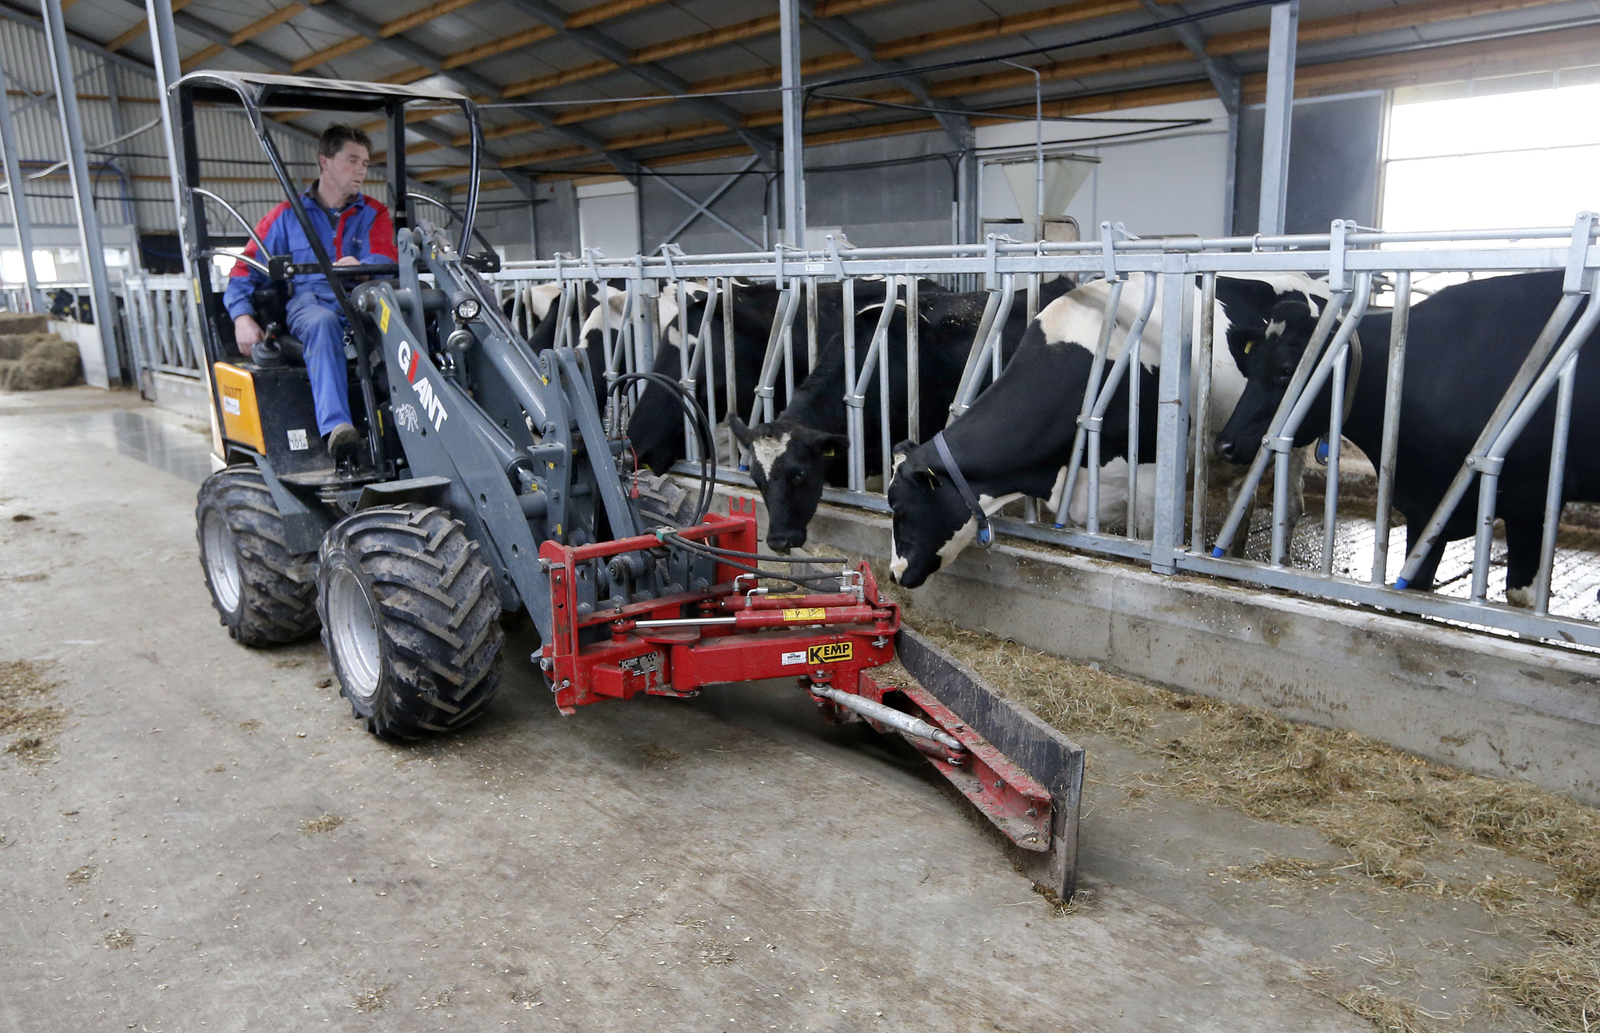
pixel 790 462
pixel 931 523
pixel 1268 360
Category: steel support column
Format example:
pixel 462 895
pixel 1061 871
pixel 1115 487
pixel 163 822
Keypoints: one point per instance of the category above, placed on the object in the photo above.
pixel 794 159
pixel 1280 115
pixel 94 255
pixel 17 190
pixel 164 48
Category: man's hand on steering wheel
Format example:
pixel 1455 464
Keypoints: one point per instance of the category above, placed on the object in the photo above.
pixel 348 260
pixel 247 333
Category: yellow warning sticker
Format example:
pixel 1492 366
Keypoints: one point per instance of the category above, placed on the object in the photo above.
pixel 810 613
pixel 383 318
pixel 830 653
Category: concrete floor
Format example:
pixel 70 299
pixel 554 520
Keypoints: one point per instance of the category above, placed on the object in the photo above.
pixel 212 843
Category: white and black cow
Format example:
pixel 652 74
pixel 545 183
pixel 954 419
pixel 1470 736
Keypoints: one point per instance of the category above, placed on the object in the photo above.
pixel 536 300
pixel 1017 438
pixel 1464 346
pixel 656 427
pixel 804 449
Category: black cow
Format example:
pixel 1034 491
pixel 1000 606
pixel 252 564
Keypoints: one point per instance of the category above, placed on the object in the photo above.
pixel 1463 348
pixel 1017 438
pixel 656 427
pixel 805 447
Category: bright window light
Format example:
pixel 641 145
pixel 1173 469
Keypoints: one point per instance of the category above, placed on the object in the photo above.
pixel 1507 160
pixel 11 270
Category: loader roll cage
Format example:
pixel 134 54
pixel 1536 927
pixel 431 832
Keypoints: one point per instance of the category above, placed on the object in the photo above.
pixel 255 93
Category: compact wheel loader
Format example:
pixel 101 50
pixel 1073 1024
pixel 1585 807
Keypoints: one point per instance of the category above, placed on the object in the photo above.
pixel 486 485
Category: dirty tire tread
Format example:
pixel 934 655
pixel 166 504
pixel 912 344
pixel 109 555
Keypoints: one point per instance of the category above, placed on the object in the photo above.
pixel 439 626
pixel 275 606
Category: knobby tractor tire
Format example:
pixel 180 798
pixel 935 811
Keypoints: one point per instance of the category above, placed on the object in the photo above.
pixel 266 595
pixel 410 618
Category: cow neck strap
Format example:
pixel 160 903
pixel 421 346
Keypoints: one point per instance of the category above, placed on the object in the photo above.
pixel 985 532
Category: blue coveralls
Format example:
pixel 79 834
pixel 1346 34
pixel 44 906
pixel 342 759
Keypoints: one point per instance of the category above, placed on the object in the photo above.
pixel 361 228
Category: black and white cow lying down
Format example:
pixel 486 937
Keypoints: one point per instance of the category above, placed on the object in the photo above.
pixel 1016 439
pixel 1463 348
pixel 805 448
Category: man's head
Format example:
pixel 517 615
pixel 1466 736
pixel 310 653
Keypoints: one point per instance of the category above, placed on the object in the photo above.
pixel 342 155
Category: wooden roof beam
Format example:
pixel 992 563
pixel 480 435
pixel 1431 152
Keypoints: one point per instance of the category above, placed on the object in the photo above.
pixel 1382 19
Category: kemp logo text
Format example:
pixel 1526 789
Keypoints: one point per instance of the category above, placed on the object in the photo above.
pixel 411 362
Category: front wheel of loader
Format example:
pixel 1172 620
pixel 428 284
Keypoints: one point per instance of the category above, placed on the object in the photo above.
pixel 410 618
pixel 266 596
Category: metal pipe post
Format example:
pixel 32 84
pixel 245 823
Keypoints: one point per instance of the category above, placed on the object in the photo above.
pixel 19 203
pixel 794 182
pixel 1399 325
pixel 913 369
pixel 1553 487
pixel 105 313
pixel 1280 115
pixel 1172 422
pixel 1202 412
pixel 1330 496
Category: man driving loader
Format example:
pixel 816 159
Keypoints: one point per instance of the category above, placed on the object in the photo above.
pixel 355 230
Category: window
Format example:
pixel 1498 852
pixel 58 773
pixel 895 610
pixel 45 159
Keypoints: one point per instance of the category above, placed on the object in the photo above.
pixel 12 271
pixel 1529 158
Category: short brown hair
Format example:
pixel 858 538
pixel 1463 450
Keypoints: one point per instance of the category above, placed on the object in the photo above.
pixel 337 135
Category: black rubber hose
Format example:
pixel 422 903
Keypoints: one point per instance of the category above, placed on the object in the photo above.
pixel 702 426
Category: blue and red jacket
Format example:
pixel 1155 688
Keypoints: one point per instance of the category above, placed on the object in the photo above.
pixel 364 230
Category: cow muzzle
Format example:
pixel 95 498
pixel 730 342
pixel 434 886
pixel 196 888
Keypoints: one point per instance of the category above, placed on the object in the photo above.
pixel 782 542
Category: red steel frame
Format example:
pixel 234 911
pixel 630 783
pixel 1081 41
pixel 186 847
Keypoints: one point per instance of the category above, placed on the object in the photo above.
pixel 828 638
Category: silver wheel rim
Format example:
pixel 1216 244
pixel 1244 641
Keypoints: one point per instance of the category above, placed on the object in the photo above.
pixel 353 627
pixel 222 561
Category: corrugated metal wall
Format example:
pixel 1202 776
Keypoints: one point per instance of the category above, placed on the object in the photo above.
pixel 132 184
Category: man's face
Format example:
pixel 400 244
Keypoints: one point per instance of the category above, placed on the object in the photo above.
pixel 345 171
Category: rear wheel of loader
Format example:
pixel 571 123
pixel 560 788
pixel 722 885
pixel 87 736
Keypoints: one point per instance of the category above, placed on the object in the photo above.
pixel 266 596
pixel 411 619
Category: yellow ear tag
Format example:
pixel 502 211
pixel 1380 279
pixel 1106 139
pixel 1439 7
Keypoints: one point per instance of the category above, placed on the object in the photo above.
pixel 1248 345
pixel 827 452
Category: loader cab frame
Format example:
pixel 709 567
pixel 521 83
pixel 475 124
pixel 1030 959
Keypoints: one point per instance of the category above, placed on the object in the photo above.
pixel 264 407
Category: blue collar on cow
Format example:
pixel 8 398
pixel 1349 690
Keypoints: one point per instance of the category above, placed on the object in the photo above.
pixel 985 532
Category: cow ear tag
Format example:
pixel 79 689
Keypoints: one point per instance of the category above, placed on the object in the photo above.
pixel 1251 343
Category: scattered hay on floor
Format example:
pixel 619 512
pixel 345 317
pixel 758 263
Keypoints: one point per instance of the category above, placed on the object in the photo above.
pixel 710 952
pixel 1284 869
pixel 38 362
pixel 23 712
pixel 372 998
pixel 322 823
pixel 657 753
pixel 1389 1014
pixel 117 939
pixel 1560 982
pixel 79 876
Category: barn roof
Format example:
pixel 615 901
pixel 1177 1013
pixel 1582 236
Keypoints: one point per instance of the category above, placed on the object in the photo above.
pixel 583 88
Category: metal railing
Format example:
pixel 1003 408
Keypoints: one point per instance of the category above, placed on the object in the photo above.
pixel 158 321
pixel 1362 270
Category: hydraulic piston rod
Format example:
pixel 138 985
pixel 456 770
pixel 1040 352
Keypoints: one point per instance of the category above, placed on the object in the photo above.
pixel 887 715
